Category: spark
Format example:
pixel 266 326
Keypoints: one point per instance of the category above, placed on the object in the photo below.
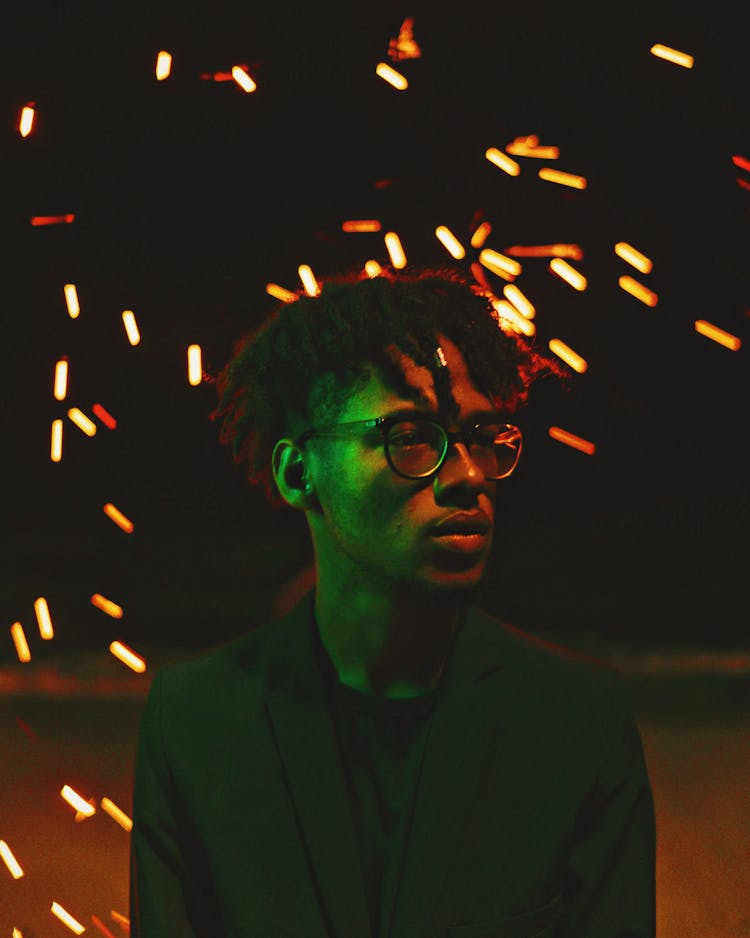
pixel 117 814
pixel 628 253
pixel 61 380
pixel 83 807
pixel 519 300
pixel 131 327
pixel 10 861
pixel 106 605
pixel 508 312
pixel 573 251
pixel 373 269
pixel 311 285
pixel 106 418
pixel 82 421
pixel 67 919
pixel 393 77
pixel 195 369
pixel 567 273
pixel 741 162
pixel 128 656
pixel 502 161
pixel 450 242
pixel 529 146
pixel 37 220
pixel 499 264
pixel 570 439
pixel 97 923
pixel 43 618
pixel 26 123
pixel 55 449
pixel 395 250
pixel 566 353
pixel 365 224
pixel 718 335
pixel 404 46
pixel 672 55
pixel 286 296
pixel 481 235
pixel 71 300
pixel 163 65
pixel 637 290
pixel 243 79
pixel 114 514
pixel 563 179
pixel 19 640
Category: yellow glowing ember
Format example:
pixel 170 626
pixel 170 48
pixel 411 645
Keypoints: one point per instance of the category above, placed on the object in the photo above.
pixel 61 380
pixel 373 269
pixel 10 861
pixel 364 224
pixel 17 933
pixel 128 657
pixel 507 312
pixel 76 801
pixel 499 264
pixel 243 79
pixel 195 368
pixel 163 65
pixel 19 640
pixel 117 814
pixel 393 77
pixel 120 919
pixel 131 327
pixel 529 146
pixel 481 235
pixel 718 335
pixel 71 300
pixel 106 418
pixel 395 250
pixel 26 124
pixel 55 449
pixel 628 253
pixel 570 439
pixel 67 919
pixel 637 290
pixel 43 618
pixel 106 605
pixel 672 55
pixel 311 285
pixel 450 242
pixel 563 179
pixel 503 161
pixel 573 251
pixel 521 302
pixel 119 518
pixel 286 296
pixel 82 421
pixel 404 47
pixel 567 273
pixel 566 353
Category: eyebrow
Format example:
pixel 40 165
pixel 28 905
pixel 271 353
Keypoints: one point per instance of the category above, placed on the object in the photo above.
pixel 426 412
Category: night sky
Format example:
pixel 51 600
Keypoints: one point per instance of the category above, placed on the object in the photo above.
pixel 189 196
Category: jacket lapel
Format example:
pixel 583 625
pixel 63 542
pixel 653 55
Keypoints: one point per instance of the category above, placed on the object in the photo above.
pixel 459 743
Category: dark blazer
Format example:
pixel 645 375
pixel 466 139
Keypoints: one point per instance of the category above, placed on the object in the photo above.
pixel 534 816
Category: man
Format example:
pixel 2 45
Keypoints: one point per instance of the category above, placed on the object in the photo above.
pixel 386 760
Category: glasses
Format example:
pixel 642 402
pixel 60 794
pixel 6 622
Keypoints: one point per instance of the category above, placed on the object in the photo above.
pixel 416 447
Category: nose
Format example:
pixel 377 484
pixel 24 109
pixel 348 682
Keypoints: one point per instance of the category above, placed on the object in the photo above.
pixel 459 468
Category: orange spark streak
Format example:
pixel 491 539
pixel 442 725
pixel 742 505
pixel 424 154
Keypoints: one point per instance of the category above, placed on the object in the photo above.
pixel 394 78
pixel 10 861
pixel 502 161
pixel 570 439
pixel 114 514
pixel 404 46
pixel 638 291
pixel 163 65
pixel 373 269
pixel 481 235
pixel 365 224
pixel 499 264
pixel 128 657
pixel 243 79
pixel 71 300
pixel 480 277
pixel 573 251
pixel 312 288
pixel 195 369
pixel 82 421
pixel 76 801
pixel 106 605
pixel 529 146
pixel 121 919
pixel 43 618
pixel 510 314
pixel 97 923
pixel 131 327
pixel 521 302
pixel 55 449
pixel 19 640
pixel 286 296
pixel 26 123
pixel 628 253
pixel 672 55
pixel 395 250
pixel 741 162
pixel 450 242
pixel 724 338
pixel 60 388
pixel 67 919
pixel 117 814
pixel 563 179
pixel 37 220
pixel 106 418
pixel 567 273
pixel 566 353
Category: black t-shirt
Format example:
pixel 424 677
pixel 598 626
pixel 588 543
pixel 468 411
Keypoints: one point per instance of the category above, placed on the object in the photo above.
pixel 382 743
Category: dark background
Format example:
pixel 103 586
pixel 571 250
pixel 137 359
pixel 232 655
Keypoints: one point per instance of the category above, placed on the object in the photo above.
pixel 190 196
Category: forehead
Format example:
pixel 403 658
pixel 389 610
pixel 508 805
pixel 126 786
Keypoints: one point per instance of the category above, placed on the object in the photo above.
pixel 376 397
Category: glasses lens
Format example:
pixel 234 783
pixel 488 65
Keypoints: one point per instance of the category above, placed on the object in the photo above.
pixel 416 448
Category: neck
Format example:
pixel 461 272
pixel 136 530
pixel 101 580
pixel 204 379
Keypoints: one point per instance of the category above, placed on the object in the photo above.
pixel 392 644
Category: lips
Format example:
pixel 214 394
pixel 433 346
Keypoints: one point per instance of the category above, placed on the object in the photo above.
pixel 462 523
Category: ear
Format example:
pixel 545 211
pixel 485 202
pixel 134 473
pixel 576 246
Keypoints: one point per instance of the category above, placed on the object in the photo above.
pixel 290 474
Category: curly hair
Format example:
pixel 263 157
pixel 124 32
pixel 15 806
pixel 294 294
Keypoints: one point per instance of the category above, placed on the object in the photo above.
pixel 299 366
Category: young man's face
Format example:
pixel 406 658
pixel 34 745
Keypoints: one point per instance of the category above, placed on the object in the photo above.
pixel 375 526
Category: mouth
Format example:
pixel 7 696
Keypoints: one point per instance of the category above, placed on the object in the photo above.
pixel 461 542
